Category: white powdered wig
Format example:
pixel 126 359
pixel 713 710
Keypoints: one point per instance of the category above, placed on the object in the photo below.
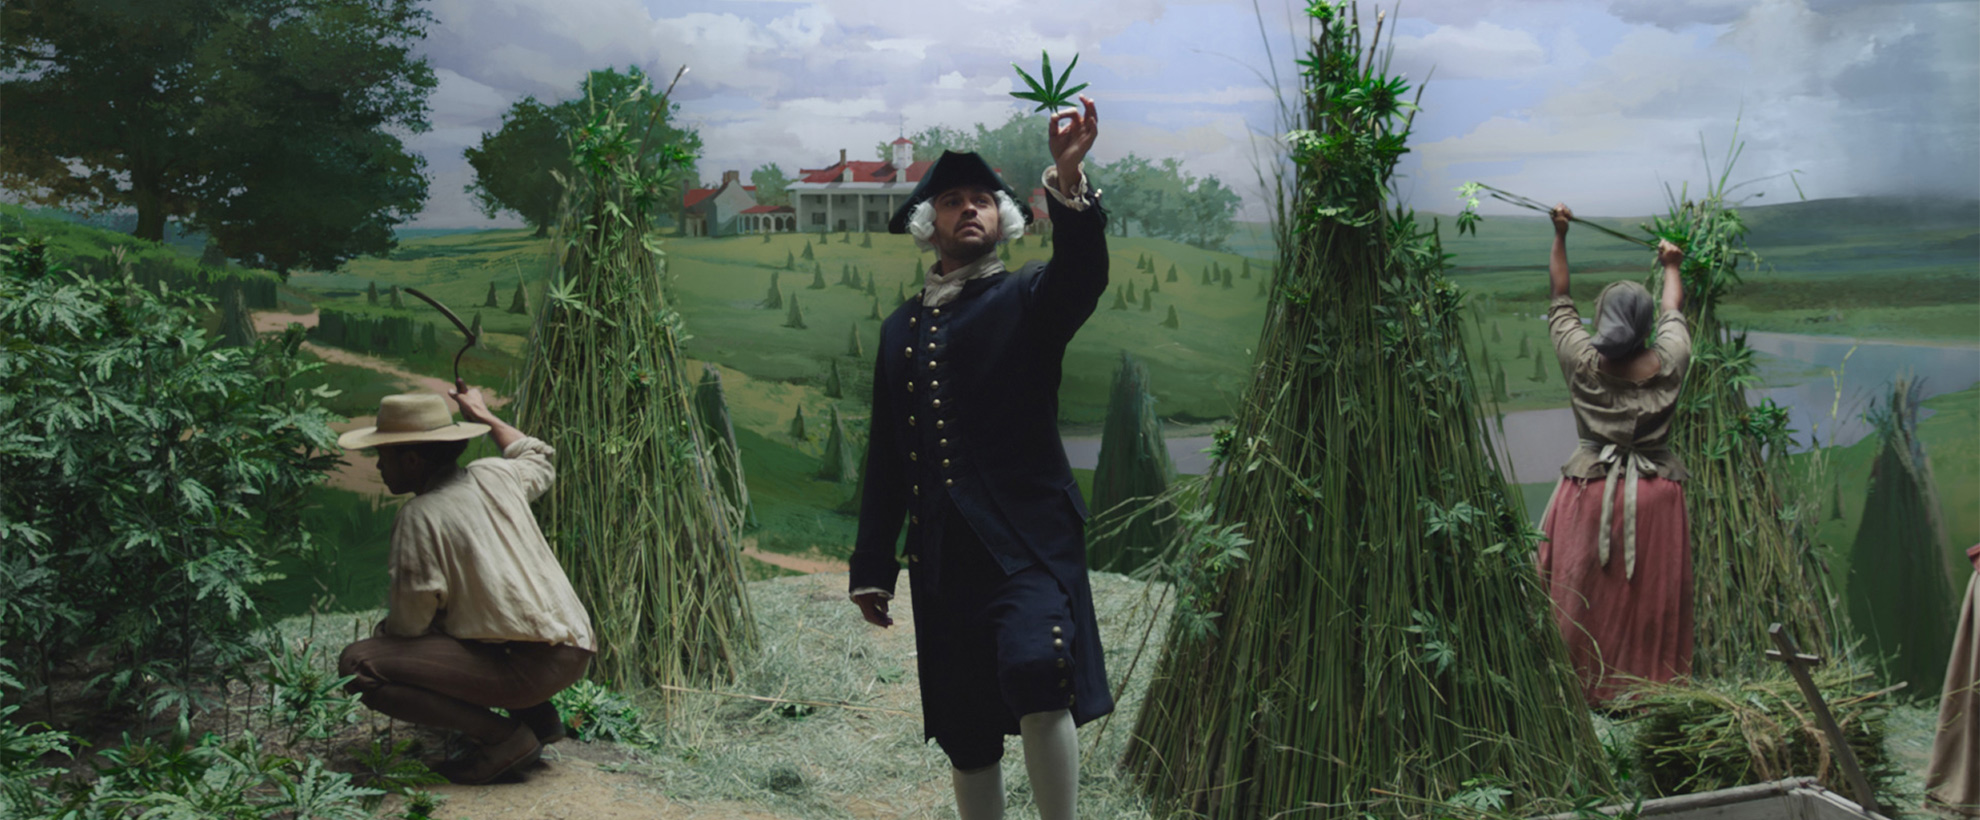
pixel 921 221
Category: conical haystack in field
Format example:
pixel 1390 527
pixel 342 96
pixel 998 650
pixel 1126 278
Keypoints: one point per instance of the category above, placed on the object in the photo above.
pixel 774 300
pixel 835 388
pixel 719 431
pixel 1357 611
pixel 634 515
pixel 1901 598
pixel 1134 464
pixel 841 460
pixel 1750 568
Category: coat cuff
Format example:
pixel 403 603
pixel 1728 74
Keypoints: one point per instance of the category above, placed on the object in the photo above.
pixel 884 595
pixel 1082 197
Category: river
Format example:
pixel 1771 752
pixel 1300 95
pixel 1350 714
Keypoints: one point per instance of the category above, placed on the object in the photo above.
pixel 1825 394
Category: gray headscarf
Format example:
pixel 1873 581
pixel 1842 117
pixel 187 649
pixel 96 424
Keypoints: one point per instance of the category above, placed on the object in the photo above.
pixel 1623 316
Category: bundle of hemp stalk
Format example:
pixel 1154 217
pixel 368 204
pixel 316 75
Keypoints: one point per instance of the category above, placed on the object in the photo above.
pixel 635 514
pixel 1703 736
pixel 1382 640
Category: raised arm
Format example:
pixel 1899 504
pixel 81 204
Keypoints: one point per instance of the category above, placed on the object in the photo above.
pixel 1672 258
pixel 1070 286
pixel 1557 269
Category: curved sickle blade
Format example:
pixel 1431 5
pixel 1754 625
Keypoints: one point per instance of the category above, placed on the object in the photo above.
pixel 471 339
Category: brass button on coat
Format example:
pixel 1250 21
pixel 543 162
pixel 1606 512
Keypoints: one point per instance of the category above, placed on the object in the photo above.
pixel 910 421
pixel 948 482
pixel 1056 632
pixel 931 345
pixel 945 442
pixel 1058 644
pixel 931 365
pixel 938 404
pixel 934 385
pixel 939 424
pixel 945 462
pixel 1062 663
pixel 938 311
pixel 914 456
pixel 908 351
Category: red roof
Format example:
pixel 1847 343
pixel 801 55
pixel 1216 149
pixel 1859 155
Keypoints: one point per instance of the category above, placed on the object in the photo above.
pixel 695 196
pixel 770 209
pixel 864 172
pixel 901 140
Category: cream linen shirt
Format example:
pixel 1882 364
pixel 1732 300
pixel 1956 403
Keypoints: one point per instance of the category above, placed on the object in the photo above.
pixel 468 559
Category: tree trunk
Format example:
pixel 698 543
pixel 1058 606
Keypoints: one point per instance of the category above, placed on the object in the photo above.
pixel 150 204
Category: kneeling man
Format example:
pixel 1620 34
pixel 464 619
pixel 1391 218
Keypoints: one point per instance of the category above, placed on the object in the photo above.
pixel 481 616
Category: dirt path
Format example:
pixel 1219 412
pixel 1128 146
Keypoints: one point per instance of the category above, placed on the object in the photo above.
pixel 358 474
pixel 798 563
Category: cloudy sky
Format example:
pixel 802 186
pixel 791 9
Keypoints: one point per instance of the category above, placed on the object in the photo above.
pixel 1595 102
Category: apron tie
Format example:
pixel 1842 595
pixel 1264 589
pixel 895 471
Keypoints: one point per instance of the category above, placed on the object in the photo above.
pixel 1613 456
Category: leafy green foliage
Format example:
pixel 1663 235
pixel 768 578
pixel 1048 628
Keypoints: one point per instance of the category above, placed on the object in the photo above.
pixel 523 166
pixel 1387 576
pixel 273 125
pixel 1162 200
pixel 152 477
pixel 1052 94
pixel 305 694
pixel 594 712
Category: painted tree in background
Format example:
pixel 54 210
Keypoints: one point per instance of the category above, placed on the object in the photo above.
pixel 1134 464
pixel 1357 607
pixel 635 513
pixel 1901 589
pixel 719 431
pixel 516 166
pixel 276 126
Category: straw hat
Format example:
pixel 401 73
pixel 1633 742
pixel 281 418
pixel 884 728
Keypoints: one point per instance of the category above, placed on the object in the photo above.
pixel 408 418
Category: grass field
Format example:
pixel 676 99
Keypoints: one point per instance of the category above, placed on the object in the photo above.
pixel 1877 269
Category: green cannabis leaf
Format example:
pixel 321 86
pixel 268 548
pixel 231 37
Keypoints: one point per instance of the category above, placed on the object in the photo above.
pixel 1053 94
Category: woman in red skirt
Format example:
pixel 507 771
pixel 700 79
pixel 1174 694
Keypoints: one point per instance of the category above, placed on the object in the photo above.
pixel 1617 559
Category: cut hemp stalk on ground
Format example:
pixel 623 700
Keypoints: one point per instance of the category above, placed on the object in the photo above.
pixel 1387 641
pixel 636 512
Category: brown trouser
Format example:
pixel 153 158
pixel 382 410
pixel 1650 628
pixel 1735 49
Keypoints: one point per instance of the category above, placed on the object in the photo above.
pixel 440 680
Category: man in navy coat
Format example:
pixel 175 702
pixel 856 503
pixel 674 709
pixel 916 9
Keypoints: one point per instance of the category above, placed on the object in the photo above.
pixel 965 449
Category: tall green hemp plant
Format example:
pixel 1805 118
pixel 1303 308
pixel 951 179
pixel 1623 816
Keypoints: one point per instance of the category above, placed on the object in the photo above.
pixel 1372 622
pixel 634 515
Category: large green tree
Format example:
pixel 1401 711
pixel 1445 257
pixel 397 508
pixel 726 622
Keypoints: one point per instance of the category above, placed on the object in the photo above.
pixel 513 165
pixel 272 124
pixel 517 165
pixel 770 183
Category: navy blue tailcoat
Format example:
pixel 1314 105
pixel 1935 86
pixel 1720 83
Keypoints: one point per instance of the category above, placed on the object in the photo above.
pixel 966 409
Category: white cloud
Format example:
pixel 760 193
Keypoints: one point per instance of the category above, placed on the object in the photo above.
pixel 1680 13
pixel 1228 95
pixel 458 99
pixel 1480 50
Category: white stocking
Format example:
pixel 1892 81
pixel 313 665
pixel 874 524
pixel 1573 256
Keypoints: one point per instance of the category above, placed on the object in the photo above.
pixel 1051 757
pixel 979 793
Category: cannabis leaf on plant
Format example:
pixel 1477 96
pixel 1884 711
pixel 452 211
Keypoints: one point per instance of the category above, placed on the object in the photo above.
pixel 1053 94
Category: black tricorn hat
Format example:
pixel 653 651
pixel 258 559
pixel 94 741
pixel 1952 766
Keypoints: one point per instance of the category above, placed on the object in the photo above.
pixel 951 170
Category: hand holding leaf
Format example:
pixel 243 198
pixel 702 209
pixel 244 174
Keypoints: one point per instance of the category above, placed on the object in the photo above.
pixel 1053 94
